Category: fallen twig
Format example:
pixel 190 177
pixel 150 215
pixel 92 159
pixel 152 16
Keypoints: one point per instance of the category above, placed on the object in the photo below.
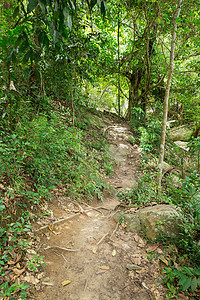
pixel 58 221
pixel 102 238
pixel 61 248
pixel 93 208
pixel 114 230
pixel 81 208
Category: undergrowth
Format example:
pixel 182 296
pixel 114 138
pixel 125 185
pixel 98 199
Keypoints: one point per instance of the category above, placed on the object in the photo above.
pixel 39 151
pixel 181 190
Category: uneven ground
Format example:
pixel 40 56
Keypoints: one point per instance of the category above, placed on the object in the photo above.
pixel 94 266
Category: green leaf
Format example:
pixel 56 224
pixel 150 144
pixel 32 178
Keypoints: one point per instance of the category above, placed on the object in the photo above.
pixel 32 5
pixel 182 280
pixel 2 207
pixel 194 284
pixel 187 284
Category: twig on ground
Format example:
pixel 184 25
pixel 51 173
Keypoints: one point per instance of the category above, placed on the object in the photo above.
pixel 64 258
pixel 93 208
pixel 81 208
pixel 102 238
pixel 101 207
pixel 61 248
pixel 114 230
pixel 56 222
pixel 86 283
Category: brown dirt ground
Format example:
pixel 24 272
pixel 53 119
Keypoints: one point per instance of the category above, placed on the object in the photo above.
pixel 97 268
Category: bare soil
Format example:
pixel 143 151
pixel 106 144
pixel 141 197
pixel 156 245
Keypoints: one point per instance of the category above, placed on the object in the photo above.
pixel 100 255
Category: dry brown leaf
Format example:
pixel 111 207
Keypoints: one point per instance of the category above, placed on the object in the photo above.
pixel 164 260
pixel 31 279
pixel 18 271
pixel 11 262
pixel 104 267
pixel 152 248
pixel 66 282
pixel 116 245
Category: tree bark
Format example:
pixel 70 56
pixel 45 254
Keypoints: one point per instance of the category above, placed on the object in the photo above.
pixel 166 99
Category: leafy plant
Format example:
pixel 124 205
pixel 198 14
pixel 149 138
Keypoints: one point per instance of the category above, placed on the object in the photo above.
pixel 186 278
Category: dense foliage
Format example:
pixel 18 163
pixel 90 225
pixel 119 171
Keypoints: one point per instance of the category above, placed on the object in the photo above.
pixel 60 57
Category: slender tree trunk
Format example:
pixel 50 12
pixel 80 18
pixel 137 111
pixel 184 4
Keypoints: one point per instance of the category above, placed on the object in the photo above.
pixel 119 104
pixel 166 99
pixel 72 93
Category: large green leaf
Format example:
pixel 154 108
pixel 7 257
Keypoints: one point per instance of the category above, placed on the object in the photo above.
pixel 182 280
pixel 194 284
pixel 187 284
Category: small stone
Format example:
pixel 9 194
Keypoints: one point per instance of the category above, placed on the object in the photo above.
pixel 131 267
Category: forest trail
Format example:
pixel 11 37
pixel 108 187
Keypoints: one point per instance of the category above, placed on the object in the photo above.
pixel 97 268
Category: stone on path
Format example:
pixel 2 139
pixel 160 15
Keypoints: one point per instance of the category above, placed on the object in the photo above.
pixel 151 220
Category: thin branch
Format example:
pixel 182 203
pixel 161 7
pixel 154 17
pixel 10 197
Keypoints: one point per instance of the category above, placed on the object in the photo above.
pixel 56 222
pixel 105 235
pixel 61 248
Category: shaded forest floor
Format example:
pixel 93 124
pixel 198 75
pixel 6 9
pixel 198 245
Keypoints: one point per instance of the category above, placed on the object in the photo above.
pixel 89 256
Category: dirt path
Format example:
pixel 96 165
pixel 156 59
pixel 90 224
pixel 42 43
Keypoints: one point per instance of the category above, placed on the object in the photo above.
pixel 98 267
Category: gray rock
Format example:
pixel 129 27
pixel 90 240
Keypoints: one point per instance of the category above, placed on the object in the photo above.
pixel 133 221
pixel 181 133
pixel 131 267
pixel 152 220
pixel 159 218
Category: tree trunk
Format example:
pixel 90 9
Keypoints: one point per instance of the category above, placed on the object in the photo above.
pixel 135 80
pixel 166 99
pixel 119 104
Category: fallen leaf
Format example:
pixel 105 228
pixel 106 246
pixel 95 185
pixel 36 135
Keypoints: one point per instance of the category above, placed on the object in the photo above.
pixel 152 248
pixel 114 252
pixel 31 279
pixel 66 282
pixel 145 286
pixel 94 250
pixel 50 227
pixel 18 271
pixel 11 262
pixel 100 272
pixel 164 260
pixel 104 267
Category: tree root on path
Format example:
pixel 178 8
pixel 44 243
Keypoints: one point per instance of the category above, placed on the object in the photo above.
pixel 56 222
pixel 61 248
